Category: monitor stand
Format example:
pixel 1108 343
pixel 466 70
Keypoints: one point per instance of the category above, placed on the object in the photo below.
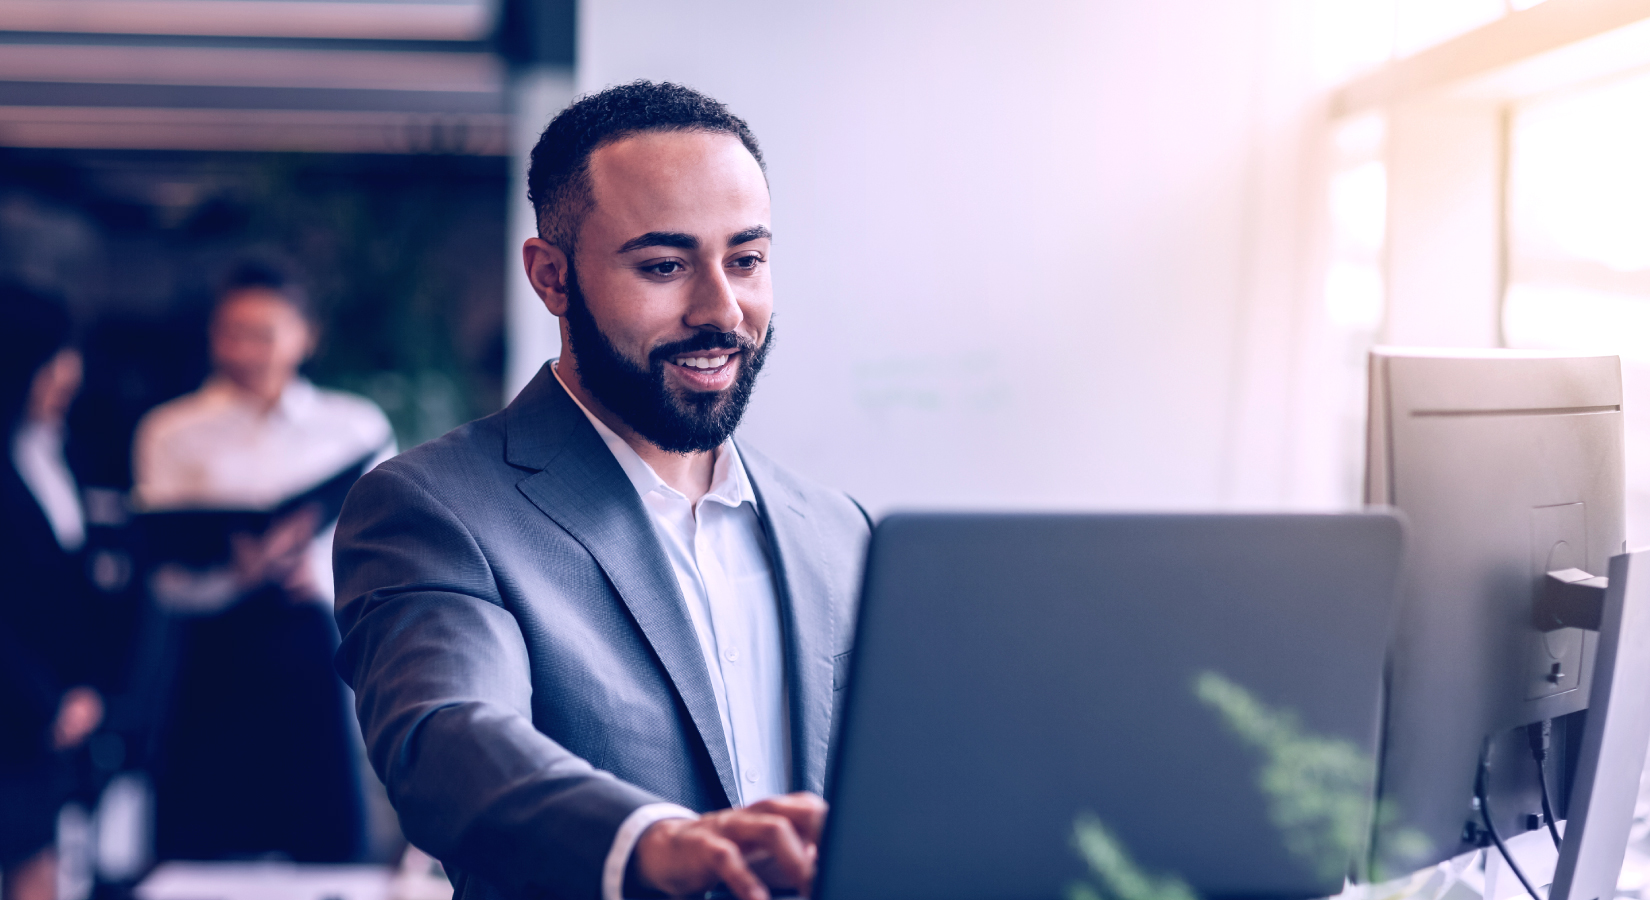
pixel 1613 745
pixel 1613 741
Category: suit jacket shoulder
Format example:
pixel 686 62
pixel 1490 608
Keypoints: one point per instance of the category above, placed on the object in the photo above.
pixel 439 465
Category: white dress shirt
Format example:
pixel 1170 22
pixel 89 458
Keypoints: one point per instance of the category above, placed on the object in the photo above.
pixel 37 453
pixel 719 554
pixel 220 448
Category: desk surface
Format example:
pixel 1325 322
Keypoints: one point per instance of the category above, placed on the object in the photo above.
pixel 265 881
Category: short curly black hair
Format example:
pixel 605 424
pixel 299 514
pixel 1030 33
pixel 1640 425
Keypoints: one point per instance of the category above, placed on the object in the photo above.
pixel 558 176
pixel 271 274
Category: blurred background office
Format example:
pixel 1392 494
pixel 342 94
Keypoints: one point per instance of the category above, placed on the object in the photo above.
pixel 1050 254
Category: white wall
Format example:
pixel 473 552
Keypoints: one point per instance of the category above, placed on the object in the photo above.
pixel 536 95
pixel 1039 254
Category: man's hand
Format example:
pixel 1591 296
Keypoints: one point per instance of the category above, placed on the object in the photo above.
pixel 772 842
pixel 78 715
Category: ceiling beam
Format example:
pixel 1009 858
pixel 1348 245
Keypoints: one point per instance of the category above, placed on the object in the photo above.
pixel 461 20
pixel 1514 38
pixel 310 131
pixel 361 69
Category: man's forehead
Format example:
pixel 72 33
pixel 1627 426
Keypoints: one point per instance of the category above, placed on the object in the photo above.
pixel 683 148
pixel 687 177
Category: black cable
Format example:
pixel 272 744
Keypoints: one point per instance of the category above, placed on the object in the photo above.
pixel 1547 808
pixel 1484 812
pixel 1541 738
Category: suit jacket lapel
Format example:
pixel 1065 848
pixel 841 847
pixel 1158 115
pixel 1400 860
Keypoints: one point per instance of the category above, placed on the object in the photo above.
pixel 806 613
pixel 581 487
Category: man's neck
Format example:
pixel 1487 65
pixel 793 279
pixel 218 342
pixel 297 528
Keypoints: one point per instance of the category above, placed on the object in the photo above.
pixel 690 473
pixel 264 395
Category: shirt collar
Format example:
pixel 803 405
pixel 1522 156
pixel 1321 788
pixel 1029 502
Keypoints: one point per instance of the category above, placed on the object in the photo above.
pixel 296 398
pixel 730 484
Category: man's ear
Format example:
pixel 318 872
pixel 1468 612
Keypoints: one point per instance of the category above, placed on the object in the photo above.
pixel 547 269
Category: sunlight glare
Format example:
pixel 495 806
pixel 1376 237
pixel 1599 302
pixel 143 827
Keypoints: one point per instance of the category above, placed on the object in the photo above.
pixel 1423 23
pixel 1581 185
pixel 1357 206
pixel 1354 296
pixel 1350 37
pixel 1578 320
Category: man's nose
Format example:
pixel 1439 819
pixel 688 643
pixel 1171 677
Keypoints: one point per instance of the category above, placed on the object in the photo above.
pixel 715 305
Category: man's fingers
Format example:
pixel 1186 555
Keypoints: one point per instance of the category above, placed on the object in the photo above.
pixel 746 849
pixel 729 865
pixel 805 811
pixel 770 843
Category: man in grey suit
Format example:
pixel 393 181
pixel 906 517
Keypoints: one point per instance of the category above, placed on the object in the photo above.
pixel 595 642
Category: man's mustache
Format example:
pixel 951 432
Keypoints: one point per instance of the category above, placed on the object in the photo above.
pixel 704 340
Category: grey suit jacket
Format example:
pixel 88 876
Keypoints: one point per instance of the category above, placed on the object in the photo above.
pixel 525 671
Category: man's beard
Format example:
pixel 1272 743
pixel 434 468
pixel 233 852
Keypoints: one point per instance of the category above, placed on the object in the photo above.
pixel 688 422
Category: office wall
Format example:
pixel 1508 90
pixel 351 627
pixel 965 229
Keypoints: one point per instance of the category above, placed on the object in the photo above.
pixel 1042 254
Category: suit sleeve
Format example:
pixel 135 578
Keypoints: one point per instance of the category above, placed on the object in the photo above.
pixel 442 685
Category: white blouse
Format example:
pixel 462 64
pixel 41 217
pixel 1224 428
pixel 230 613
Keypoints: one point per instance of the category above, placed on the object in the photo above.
pixel 219 448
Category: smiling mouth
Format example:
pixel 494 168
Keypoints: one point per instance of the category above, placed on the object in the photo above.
pixel 703 361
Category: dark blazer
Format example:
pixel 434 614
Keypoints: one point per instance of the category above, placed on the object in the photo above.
pixel 44 632
pixel 47 645
pixel 525 670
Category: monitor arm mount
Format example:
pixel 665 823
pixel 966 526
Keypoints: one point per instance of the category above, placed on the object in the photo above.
pixel 1571 598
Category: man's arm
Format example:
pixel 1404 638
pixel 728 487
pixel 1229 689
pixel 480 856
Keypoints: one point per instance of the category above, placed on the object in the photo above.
pixel 440 672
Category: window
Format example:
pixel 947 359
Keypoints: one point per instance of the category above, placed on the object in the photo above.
pixel 1578 223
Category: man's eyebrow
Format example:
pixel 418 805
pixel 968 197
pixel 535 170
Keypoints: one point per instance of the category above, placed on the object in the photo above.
pixel 676 239
pixel 753 233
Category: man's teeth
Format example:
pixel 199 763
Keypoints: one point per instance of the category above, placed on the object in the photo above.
pixel 703 362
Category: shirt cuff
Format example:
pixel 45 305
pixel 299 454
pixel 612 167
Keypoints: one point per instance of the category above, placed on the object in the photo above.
pixel 630 831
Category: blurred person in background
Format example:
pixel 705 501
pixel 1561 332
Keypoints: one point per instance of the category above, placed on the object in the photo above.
pixel 258 754
pixel 46 708
pixel 257 432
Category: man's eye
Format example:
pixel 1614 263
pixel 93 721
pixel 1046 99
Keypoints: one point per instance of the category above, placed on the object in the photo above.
pixel 668 267
pixel 747 262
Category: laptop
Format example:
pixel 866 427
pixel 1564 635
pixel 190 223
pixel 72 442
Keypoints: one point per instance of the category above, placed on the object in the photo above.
pixel 1127 707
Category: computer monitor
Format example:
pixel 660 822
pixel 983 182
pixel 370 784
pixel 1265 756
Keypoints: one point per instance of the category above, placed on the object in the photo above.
pixel 1156 707
pixel 1508 465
